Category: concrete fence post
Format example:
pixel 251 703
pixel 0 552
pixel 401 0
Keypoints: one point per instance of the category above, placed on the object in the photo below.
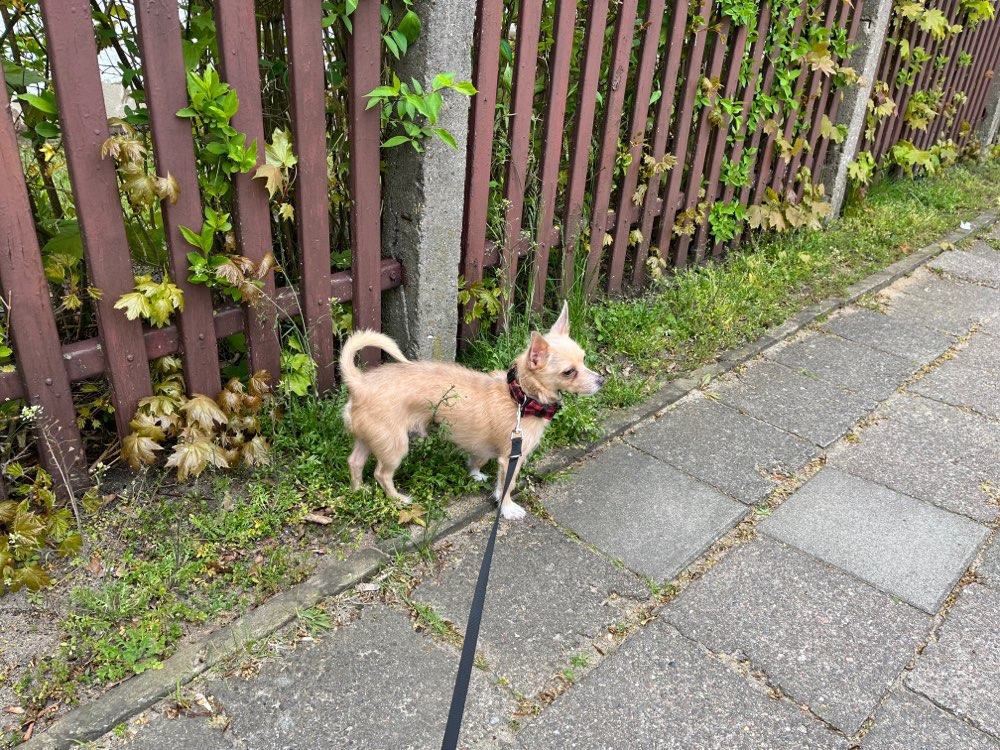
pixel 990 124
pixel 865 60
pixel 424 193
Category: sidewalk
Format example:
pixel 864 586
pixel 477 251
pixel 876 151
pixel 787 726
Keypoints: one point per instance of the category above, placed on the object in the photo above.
pixel 796 556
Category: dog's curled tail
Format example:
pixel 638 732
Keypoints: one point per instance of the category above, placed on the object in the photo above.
pixel 358 341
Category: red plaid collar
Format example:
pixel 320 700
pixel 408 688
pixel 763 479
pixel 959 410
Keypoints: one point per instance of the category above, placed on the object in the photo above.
pixel 529 406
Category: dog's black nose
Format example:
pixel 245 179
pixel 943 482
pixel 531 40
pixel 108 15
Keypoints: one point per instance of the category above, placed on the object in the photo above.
pixel 600 380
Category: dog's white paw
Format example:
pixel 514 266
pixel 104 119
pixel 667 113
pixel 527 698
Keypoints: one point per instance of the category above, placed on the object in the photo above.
pixel 477 475
pixel 513 512
pixel 405 499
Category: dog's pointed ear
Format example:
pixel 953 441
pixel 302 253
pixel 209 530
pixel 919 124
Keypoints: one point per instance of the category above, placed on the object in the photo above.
pixel 561 326
pixel 538 351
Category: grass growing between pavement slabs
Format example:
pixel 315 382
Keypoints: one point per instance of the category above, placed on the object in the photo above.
pixel 690 317
pixel 167 559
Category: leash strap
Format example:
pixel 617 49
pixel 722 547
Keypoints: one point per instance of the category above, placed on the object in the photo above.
pixel 458 696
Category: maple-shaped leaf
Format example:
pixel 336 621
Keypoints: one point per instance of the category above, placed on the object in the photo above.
pixel 191 458
pixel 911 11
pixel 146 425
pixel 413 513
pixel 279 151
pixel 835 133
pixel 135 305
pixel 139 450
pixel 934 21
pixel 755 217
pixel 32 578
pixel 259 383
pixel 168 188
pixel 158 404
pixel 286 211
pixel 228 401
pixel 820 60
pixel 274 178
pixel 202 411
pixel 267 264
pixel 256 452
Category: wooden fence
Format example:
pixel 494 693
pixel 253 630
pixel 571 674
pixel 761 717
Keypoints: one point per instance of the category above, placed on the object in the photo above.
pixel 958 69
pixel 45 367
pixel 592 196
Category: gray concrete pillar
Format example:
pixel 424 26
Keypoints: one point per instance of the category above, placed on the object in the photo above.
pixel 424 193
pixel 865 60
pixel 986 133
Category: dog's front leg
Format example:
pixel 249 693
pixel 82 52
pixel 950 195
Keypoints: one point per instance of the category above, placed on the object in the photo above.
pixel 508 508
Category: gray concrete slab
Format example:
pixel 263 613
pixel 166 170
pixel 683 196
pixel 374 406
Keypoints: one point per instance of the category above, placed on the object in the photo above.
pixel 984 249
pixel 813 409
pixel 662 692
pixel 181 733
pixel 930 451
pixel 852 365
pixel 970 266
pixel 549 597
pixel 960 671
pixel 953 382
pixel 715 443
pixel 375 683
pixel 944 304
pixel 981 351
pixel 900 545
pixel 889 334
pixel 825 638
pixel 653 517
pixel 907 722
pixel 989 568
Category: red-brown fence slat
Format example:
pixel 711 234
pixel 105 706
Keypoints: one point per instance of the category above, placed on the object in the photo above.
pixel 583 130
pixel 515 184
pixel 604 168
pixel 637 139
pixel 692 80
pixel 749 92
pixel 72 50
pixel 485 69
pixel 173 149
pixel 991 52
pixel 703 135
pixel 308 104
pixel 651 203
pixel 237 37
pixel 720 135
pixel 364 66
pixel 559 65
pixel 30 318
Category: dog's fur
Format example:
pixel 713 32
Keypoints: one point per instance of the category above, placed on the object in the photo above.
pixel 389 403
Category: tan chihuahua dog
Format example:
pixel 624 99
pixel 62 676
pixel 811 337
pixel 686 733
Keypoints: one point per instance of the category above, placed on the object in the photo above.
pixel 479 410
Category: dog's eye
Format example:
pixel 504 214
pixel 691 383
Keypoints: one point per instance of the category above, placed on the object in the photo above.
pixel 569 373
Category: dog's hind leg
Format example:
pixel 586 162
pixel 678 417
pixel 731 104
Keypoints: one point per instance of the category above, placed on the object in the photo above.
pixel 384 471
pixel 357 462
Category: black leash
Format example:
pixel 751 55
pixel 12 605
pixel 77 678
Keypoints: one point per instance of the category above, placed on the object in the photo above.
pixel 461 691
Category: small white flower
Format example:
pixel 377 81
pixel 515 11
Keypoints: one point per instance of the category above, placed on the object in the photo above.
pixel 30 413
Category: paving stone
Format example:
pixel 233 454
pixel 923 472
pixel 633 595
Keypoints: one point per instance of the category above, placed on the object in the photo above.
pixel 955 383
pixel 811 408
pixel 910 722
pixel 981 351
pixel 824 637
pixel 662 692
pixel 978 247
pixel 374 683
pixel 989 569
pixel 889 334
pixel 969 266
pixel 549 597
pixel 903 546
pixel 961 670
pixel 728 450
pixel 180 734
pixel 642 511
pixel 930 451
pixel 852 365
pixel 944 304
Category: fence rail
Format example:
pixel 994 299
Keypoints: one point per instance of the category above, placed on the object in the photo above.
pixel 45 367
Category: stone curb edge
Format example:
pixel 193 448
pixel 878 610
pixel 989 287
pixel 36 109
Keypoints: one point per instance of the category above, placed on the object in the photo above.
pixel 335 576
